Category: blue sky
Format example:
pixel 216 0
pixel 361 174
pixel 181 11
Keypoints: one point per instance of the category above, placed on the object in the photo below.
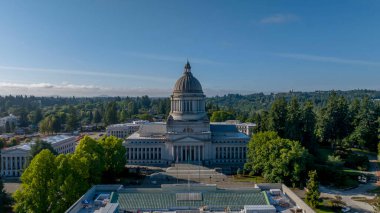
pixel 129 48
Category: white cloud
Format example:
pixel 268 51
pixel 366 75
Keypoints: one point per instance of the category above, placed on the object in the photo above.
pixel 329 59
pixel 47 89
pixel 104 74
pixel 66 89
pixel 279 19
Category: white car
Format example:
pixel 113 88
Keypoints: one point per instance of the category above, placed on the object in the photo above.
pixel 346 209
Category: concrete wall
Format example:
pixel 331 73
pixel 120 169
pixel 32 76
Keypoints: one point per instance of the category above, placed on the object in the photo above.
pixel 299 202
pixel 267 186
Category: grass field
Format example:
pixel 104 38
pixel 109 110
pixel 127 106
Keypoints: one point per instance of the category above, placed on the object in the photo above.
pixel 325 206
pixel 375 191
pixel 254 179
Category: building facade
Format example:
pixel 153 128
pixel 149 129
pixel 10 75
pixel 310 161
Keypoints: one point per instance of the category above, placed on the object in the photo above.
pixel 187 136
pixel 125 129
pixel 8 123
pixel 246 128
pixel 14 159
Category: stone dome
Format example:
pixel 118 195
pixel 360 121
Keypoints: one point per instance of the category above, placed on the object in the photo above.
pixel 187 83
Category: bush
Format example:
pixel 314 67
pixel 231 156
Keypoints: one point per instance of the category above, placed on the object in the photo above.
pixel 340 179
pixel 251 173
pixel 342 153
pixel 359 162
pixel 238 171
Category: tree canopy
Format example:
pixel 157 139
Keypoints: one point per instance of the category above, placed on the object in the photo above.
pixel 35 192
pixel 52 184
pixel 277 159
pixel 220 116
pixel 40 145
pixel 114 154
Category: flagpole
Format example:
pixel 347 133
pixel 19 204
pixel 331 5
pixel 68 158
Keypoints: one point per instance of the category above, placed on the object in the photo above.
pixel 188 175
pixel 177 168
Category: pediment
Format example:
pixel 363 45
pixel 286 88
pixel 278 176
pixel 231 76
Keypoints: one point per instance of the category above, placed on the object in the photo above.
pixel 187 140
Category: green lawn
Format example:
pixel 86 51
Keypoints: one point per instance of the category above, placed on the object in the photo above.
pixel 325 207
pixel 363 152
pixel 323 154
pixel 254 179
pixel 375 191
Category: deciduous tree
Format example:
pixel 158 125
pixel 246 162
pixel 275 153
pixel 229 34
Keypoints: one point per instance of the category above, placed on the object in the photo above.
pixel 277 159
pixel 91 154
pixel 114 154
pixel 35 191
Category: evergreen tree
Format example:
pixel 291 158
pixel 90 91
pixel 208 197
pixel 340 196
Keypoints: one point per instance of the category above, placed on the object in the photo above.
pixel 308 126
pixel 145 101
pixel 123 117
pixel 4 198
pixel 277 116
pixel 110 114
pixel 49 125
pixel 132 109
pixel 312 194
pixel 293 120
pixel 365 126
pixel 97 116
pixel 334 121
pixel 72 119
pixel 40 145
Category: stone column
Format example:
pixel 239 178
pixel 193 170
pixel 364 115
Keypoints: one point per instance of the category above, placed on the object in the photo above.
pixel 7 165
pixel 178 153
pixel 2 166
pixel 12 165
pixel 197 153
pixel 186 155
pixel 201 152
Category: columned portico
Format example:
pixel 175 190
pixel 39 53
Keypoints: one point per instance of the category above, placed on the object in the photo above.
pixel 188 153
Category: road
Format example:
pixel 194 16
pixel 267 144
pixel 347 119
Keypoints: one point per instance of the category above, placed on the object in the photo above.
pixel 360 191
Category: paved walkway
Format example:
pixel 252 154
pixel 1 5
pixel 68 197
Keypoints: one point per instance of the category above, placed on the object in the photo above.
pixel 360 191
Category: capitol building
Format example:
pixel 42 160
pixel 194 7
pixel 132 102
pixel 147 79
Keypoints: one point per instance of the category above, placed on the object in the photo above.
pixel 187 136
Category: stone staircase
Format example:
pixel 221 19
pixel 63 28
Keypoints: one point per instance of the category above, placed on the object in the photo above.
pixel 192 171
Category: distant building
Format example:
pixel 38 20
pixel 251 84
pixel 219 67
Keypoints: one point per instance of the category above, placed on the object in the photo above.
pixel 246 128
pixel 187 136
pixel 15 159
pixel 10 120
pixel 125 129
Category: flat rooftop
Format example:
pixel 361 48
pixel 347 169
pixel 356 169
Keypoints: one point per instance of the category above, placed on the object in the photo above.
pixel 171 197
pixel 50 139
pixel 171 200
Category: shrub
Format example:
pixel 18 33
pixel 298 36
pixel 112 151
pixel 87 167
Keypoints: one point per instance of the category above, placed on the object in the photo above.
pixel 359 162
